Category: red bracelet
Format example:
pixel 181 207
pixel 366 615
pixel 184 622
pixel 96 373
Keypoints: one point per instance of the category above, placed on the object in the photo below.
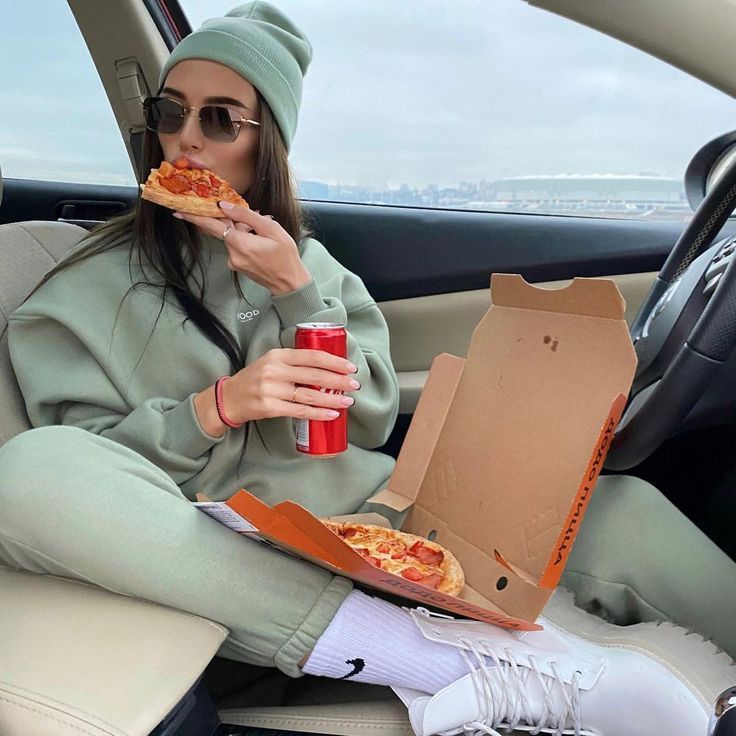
pixel 219 404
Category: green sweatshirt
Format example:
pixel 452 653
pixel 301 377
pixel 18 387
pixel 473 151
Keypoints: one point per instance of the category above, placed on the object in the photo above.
pixel 128 369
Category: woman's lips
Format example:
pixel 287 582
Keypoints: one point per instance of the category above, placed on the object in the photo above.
pixel 191 162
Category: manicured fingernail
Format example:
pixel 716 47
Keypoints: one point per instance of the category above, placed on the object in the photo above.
pixel 226 205
pixel 333 414
pixel 348 400
pixel 352 368
pixel 353 384
pixel 178 215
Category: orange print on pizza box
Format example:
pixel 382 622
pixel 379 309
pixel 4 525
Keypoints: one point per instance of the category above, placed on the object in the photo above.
pixel 501 456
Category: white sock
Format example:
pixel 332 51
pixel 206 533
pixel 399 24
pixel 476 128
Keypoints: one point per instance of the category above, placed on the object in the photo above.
pixel 370 640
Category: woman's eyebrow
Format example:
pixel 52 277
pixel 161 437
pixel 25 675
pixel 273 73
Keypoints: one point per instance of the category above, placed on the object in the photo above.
pixel 225 101
pixel 172 91
pixel 217 100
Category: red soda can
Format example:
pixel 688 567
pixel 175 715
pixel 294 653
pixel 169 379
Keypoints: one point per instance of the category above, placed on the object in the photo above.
pixel 323 439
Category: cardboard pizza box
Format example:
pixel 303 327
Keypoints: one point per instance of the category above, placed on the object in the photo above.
pixel 501 456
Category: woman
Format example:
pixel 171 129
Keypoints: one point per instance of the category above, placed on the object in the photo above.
pixel 144 318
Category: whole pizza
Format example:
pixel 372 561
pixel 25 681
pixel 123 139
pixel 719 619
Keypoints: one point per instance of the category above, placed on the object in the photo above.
pixel 194 191
pixel 406 555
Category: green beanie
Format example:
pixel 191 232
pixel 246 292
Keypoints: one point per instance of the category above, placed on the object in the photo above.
pixel 262 45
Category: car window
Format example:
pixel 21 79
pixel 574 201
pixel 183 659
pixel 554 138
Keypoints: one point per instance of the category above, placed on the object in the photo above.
pixel 490 105
pixel 55 120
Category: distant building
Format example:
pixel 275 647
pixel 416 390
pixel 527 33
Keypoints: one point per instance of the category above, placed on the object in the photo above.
pixel 606 192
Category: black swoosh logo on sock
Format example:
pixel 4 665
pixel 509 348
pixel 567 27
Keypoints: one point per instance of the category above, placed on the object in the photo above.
pixel 358 666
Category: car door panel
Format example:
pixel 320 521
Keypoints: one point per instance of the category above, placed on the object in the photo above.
pixel 403 252
pixel 84 204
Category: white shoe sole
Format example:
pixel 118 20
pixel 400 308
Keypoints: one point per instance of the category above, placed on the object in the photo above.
pixel 706 669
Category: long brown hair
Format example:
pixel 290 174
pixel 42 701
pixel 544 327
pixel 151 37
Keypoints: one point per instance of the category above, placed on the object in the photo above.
pixel 169 250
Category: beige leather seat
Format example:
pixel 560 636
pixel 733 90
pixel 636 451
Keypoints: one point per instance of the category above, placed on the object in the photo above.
pixel 75 659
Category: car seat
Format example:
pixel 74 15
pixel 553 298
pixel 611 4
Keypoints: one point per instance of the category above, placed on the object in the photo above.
pixel 75 658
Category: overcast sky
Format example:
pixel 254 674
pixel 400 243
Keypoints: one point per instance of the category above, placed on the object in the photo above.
pixel 416 91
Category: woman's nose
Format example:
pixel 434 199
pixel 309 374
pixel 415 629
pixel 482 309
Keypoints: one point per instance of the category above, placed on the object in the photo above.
pixel 190 135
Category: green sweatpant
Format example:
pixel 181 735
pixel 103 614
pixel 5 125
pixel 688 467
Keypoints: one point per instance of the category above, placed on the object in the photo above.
pixel 638 558
pixel 77 505
pixel 81 506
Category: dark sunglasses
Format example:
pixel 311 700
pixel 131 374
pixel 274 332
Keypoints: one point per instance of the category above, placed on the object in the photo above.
pixel 218 123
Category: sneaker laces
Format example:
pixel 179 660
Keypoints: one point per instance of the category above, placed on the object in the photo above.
pixel 503 695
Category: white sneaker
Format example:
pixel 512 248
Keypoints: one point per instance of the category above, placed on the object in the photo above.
pixel 581 676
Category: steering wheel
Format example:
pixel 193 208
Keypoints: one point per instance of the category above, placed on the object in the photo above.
pixel 684 332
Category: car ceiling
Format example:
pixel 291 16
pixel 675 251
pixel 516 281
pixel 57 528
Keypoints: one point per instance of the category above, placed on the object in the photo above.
pixel 693 35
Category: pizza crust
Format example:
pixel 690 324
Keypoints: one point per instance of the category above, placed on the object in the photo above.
pixel 367 535
pixel 191 204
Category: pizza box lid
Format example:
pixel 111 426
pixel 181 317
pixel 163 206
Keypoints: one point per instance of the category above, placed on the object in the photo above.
pixel 504 448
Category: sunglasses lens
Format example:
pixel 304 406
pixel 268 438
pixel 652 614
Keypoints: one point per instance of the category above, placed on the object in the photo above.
pixel 164 115
pixel 217 124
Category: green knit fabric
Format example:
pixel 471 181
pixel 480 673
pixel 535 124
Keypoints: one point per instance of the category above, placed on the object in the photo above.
pixel 128 369
pixel 262 45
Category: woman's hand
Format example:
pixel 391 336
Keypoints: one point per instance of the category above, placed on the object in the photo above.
pixel 257 246
pixel 274 386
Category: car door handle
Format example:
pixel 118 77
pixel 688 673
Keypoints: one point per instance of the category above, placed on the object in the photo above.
pixel 87 212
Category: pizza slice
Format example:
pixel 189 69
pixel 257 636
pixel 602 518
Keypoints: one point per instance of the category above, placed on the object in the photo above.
pixel 194 191
pixel 406 555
